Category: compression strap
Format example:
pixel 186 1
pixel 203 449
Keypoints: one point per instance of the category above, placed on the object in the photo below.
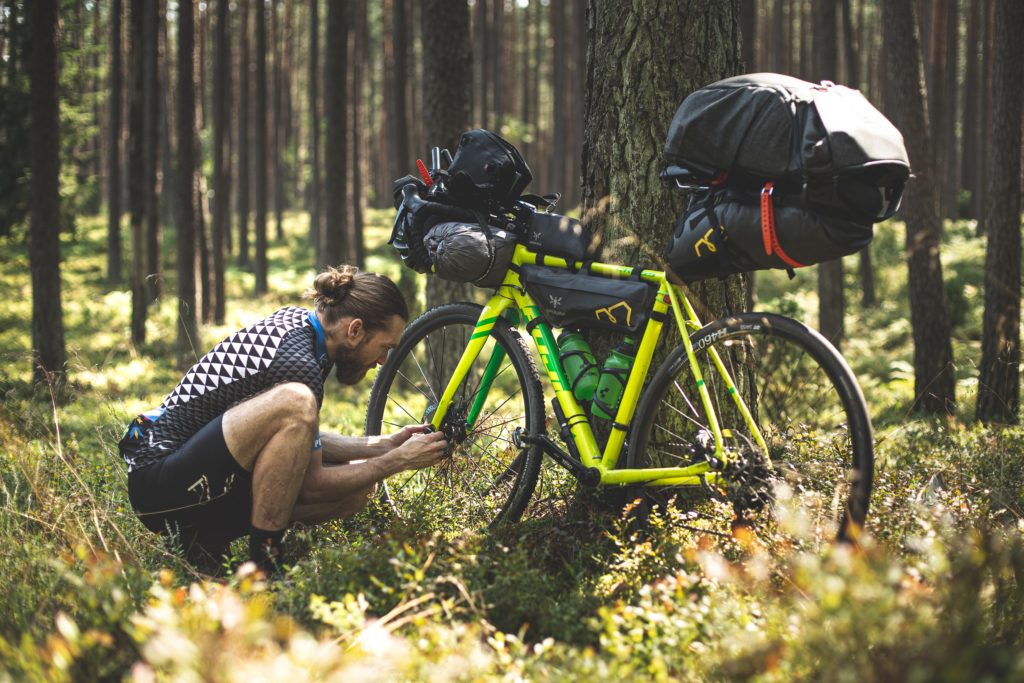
pixel 768 234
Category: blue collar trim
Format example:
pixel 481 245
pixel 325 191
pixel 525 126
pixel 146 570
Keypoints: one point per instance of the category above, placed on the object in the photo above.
pixel 321 340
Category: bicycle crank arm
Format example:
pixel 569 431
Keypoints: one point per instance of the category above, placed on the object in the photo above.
pixel 588 476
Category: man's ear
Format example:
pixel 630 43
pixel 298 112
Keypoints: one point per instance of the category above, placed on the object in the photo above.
pixel 355 330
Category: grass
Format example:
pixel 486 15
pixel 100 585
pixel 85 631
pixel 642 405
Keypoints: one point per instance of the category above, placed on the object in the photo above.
pixel 936 592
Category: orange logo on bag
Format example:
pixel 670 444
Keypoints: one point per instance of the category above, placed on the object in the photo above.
pixel 705 240
pixel 610 315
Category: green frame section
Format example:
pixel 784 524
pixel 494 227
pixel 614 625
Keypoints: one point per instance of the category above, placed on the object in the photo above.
pixel 512 301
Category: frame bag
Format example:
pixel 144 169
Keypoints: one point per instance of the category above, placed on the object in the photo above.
pixel 581 300
pixel 798 173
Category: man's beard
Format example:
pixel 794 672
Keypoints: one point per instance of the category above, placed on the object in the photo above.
pixel 349 370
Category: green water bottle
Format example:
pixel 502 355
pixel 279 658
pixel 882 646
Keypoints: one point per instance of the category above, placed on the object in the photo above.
pixel 612 381
pixel 579 364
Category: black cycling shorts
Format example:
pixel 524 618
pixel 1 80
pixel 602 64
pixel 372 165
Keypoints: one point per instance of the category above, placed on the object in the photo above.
pixel 199 492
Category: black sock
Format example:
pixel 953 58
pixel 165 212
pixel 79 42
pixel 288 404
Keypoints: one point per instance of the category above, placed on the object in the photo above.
pixel 265 549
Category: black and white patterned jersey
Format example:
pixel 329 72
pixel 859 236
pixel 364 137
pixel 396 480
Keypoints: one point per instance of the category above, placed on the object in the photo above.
pixel 288 346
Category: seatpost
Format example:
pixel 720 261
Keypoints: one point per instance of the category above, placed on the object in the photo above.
pixel 435 159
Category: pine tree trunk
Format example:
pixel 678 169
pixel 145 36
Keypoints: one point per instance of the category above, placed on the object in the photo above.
pixel 48 353
pixel 137 170
pixel 971 136
pixel 558 97
pixel 335 165
pixel 244 134
pixel 933 356
pixel 447 95
pixel 831 302
pixel 315 221
pixel 357 195
pixel 999 377
pixel 114 249
pixel 260 148
pixel 188 189
pixel 277 173
pixel 643 58
pixel 151 146
pixel 221 162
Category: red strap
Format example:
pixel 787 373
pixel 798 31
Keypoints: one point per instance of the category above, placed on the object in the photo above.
pixel 768 235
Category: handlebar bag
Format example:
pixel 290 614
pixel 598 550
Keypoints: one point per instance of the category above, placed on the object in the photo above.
pixel 560 236
pixel 487 171
pixel 582 300
pixel 467 252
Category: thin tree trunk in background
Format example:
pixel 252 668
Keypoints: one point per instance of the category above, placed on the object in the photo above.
pixel 748 28
pixel 188 189
pixel 150 148
pixel 399 110
pixel 221 162
pixel 831 301
pixel 497 40
pixel 48 352
pixel 276 141
pixel 114 249
pixel 447 101
pixel 204 246
pixel 985 148
pixel 480 41
pixel 934 386
pixel 260 146
pixel 315 220
pixel 780 47
pixel 852 49
pixel 359 39
pixel 578 122
pixel 951 200
pixel 558 82
pixel 971 134
pixel 999 376
pixel 136 170
pixel 168 177
pixel 938 106
pixel 244 134
pixel 335 167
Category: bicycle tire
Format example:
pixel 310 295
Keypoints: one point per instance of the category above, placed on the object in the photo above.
pixel 811 413
pixel 485 478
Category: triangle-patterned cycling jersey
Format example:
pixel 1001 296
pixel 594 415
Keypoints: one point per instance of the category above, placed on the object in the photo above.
pixel 288 346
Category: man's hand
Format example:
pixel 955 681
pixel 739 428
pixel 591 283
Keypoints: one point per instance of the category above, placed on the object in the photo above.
pixel 418 450
pixel 402 435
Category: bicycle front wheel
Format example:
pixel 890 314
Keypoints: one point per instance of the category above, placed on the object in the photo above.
pixel 487 479
pixel 807 408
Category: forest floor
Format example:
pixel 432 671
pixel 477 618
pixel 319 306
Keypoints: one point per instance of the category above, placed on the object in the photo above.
pixel 936 592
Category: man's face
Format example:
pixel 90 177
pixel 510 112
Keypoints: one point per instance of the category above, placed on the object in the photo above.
pixel 371 350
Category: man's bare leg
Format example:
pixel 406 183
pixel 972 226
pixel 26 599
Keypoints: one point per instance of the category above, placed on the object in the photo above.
pixel 271 435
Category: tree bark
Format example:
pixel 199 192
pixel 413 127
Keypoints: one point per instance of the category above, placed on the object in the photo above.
pixel 447 100
pixel 335 166
pixel 244 134
pixel 188 188
pixel 276 104
pixel 114 249
pixel 315 220
pixel 971 136
pixel 260 147
pixel 48 353
pixel 137 171
pixel 151 146
pixel 999 377
pixel 748 25
pixel 831 302
pixel 933 355
pixel 643 59
pixel 221 162
pixel 359 38
pixel 558 82
pixel 398 110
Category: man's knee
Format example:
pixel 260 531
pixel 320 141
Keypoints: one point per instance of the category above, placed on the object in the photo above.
pixel 297 404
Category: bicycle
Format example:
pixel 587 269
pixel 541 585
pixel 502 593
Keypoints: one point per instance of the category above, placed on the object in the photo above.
pixel 745 411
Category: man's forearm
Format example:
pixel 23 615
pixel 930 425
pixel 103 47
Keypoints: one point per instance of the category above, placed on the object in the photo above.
pixel 331 484
pixel 341 449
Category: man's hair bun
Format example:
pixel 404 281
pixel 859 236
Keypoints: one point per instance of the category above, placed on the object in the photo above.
pixel 332 286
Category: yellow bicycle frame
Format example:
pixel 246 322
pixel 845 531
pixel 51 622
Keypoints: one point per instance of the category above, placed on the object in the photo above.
pixel 511 294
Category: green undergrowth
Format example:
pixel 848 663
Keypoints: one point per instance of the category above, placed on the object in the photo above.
pixel 934 592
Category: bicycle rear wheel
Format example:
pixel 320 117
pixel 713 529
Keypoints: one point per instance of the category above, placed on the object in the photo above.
pixel 808 408
pixel 486 480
